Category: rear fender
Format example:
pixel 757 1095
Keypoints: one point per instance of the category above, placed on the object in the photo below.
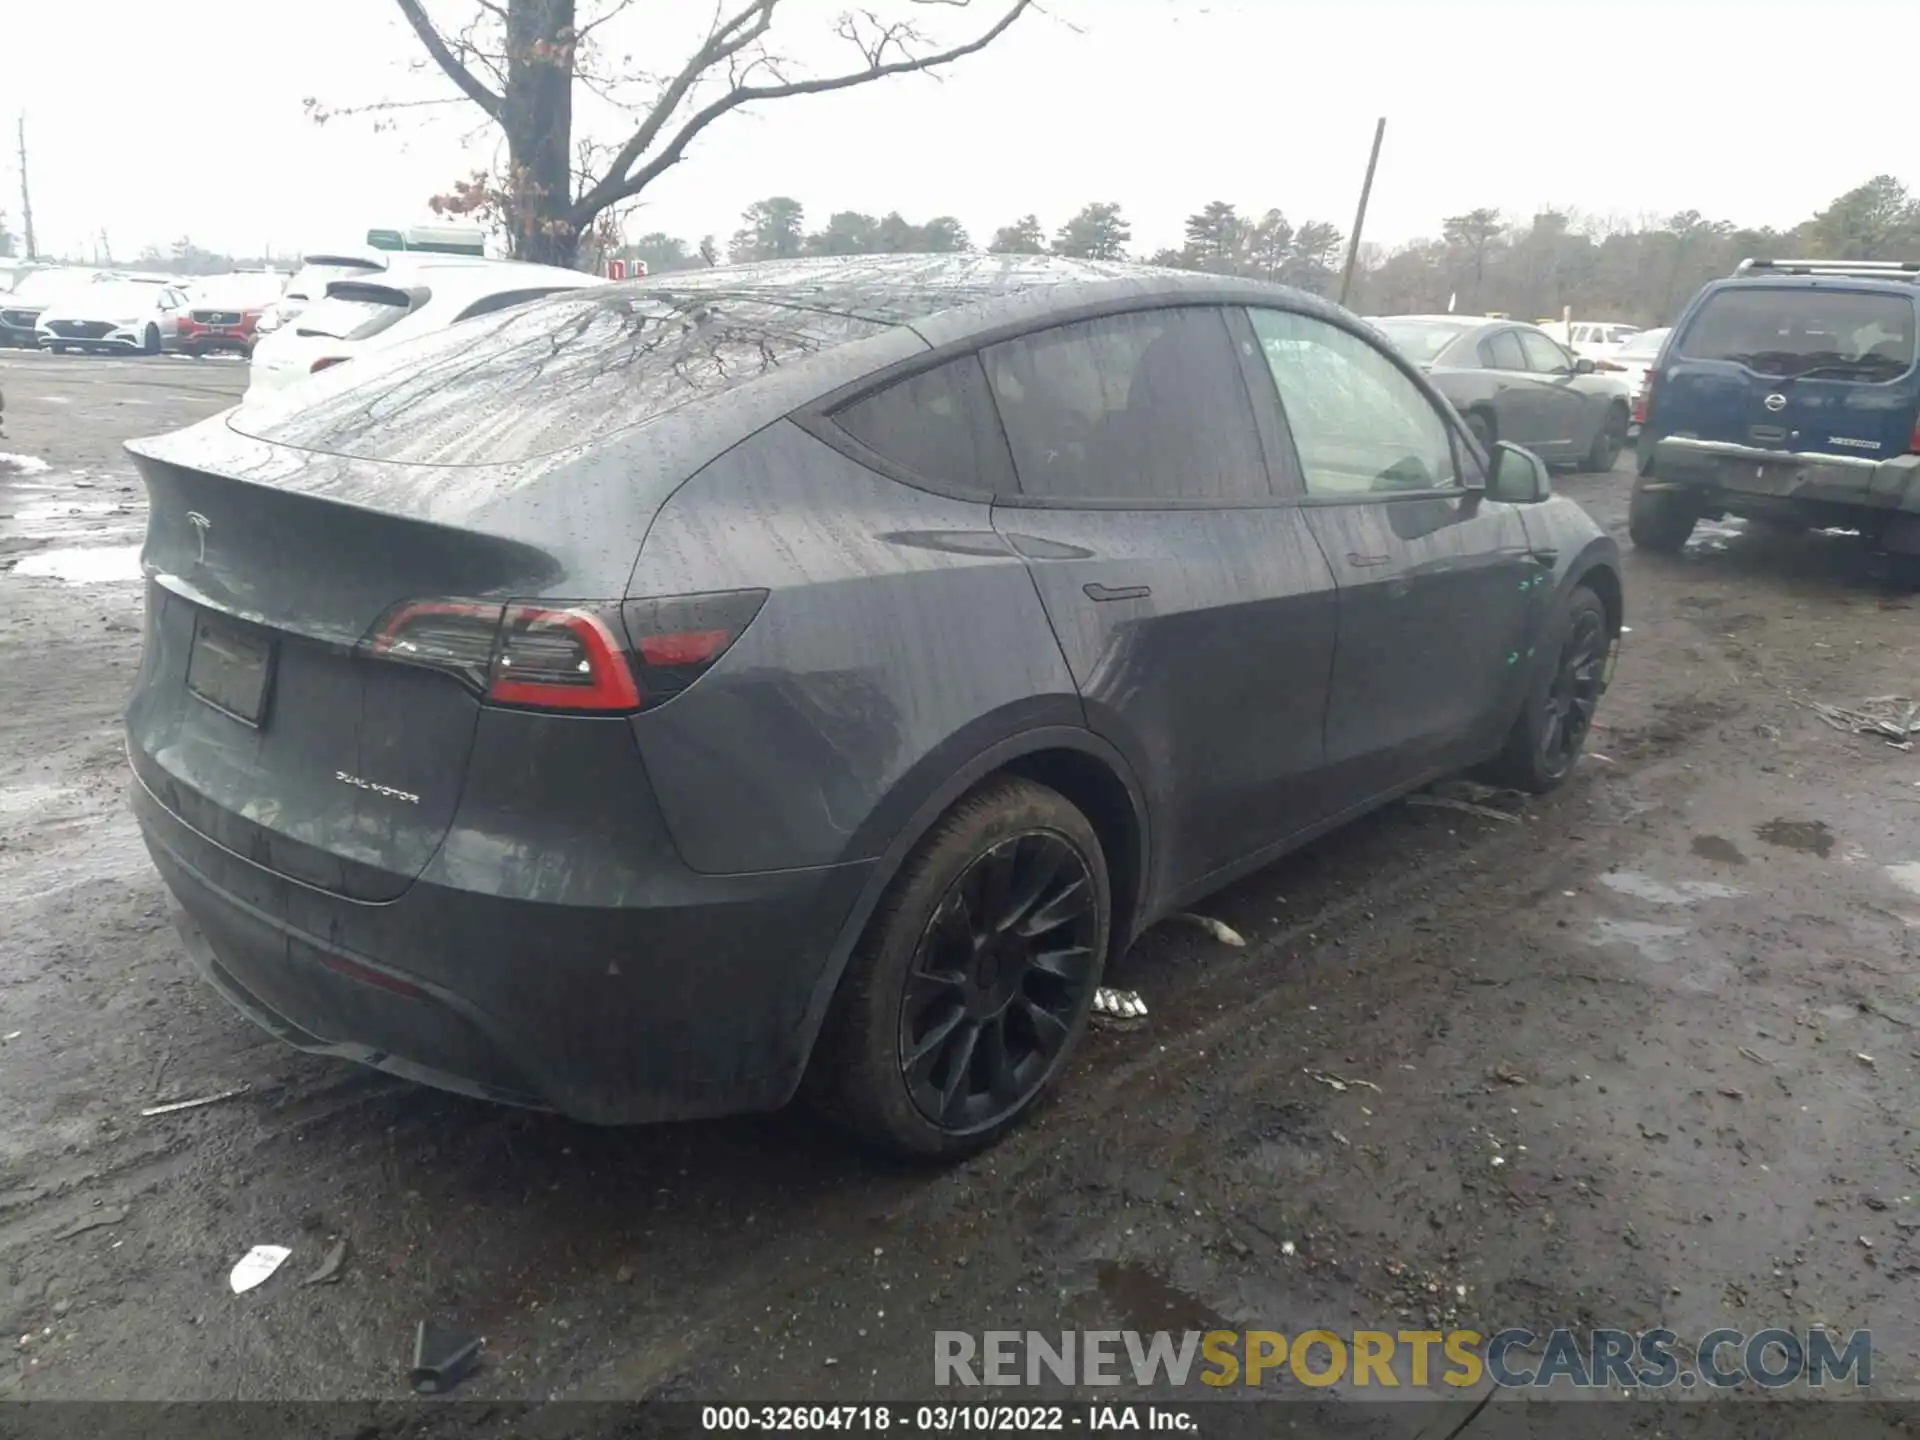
pixel 918 802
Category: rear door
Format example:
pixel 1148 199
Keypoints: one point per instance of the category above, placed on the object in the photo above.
pixel 1191 602
pixel 1433 578
pixel 1812 367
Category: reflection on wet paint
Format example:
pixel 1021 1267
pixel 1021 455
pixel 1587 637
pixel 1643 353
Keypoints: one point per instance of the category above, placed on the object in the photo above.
pixel 1684 892
pixel 85 565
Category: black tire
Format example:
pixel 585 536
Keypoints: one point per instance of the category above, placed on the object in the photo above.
pixel 151 345
pixel 1660 520
pixel 58 349
pixel 1608 442
pixel 1480 426
pixel 1563 690
pixel 896 1042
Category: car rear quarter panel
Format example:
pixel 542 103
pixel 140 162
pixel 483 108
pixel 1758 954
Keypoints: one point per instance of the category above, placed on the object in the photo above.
pixel 901 638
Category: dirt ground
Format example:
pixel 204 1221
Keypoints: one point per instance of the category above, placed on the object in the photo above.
pixel 1646 1054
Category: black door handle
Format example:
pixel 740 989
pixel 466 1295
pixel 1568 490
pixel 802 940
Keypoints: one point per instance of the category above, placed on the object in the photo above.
pixel 1366 561
pixel 1097 591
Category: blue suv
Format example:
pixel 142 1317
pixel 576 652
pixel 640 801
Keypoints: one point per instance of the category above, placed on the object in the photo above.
pixel 1787 394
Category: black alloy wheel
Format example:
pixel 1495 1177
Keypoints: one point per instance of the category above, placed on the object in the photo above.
pixel 998 982
pixel 1573 694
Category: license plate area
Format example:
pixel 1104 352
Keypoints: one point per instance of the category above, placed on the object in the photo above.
pixel 230 669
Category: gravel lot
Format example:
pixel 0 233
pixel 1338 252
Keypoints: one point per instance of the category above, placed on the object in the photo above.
pixel 1645 1056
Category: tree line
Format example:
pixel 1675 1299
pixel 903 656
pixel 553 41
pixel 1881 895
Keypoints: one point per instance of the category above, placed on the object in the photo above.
pixel 1480 262
pixel 1218 239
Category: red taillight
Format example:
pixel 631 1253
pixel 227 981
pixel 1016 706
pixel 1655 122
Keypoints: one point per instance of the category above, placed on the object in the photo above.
pixel 1643 399
pixel 560 660
pixel 568 657
pixel 326 362
pixel 1913 445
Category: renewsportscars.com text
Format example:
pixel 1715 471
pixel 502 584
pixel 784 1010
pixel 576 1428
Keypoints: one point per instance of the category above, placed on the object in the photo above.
pixel 1389 1359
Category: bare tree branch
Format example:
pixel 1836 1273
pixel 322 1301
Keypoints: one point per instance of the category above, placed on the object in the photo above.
pixel 444 57
pixel 727 40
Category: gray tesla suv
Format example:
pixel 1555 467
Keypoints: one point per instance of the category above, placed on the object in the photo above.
pixel 654 701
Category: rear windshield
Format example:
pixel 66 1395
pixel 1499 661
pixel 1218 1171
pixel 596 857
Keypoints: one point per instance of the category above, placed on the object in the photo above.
pixel 1421 340
pixel 545 377
pixel 1846 334
pixel 355 312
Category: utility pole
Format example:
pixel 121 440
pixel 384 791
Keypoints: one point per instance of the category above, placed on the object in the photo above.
pixel 1360 216
pixel 26 201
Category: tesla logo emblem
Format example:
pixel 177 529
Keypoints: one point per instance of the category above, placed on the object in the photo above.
pixel 1775 402
pixel 200 525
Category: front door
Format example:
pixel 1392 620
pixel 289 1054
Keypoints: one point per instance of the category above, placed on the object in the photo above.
pixel 1193 607
pixel 1566 422
pixel 1433 578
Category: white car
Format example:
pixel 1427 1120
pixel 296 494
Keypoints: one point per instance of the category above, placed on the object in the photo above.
pixel 125 313
pixel 1631 361
pixel 32 293
pixel 1595 339
pixel 412 296
pixel 310 281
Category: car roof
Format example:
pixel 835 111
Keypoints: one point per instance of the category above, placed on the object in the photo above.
pixel 952 298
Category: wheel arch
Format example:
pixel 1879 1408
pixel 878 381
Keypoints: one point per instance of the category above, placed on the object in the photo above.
pixel 1081 766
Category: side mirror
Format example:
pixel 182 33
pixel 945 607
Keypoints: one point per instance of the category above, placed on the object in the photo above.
pixel 1517 476
pixel 1583 366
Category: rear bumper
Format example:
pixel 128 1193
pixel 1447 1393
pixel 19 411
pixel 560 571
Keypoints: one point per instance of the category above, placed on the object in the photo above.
pixel 691 1001
pixel 1745 470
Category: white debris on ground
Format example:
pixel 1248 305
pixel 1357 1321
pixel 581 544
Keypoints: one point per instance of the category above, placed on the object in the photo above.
pixel 1891 718
pixel 22 464
pixel 1118 1005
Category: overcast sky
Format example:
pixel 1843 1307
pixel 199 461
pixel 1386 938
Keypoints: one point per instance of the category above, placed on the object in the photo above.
pixel 154 119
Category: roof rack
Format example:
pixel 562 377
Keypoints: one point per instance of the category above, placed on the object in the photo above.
pixel 1863 269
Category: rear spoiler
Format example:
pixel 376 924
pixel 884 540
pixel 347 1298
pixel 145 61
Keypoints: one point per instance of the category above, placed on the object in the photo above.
pixel 1853 269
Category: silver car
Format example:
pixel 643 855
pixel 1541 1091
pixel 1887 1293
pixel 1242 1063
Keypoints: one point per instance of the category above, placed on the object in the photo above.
pixel 1512 381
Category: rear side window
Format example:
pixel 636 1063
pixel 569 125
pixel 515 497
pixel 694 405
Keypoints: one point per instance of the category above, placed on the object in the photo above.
pixel 938 425
pixel 357 312
pixel 1844 334
pixel 1148 406
pixel 1502 352
pixel 538 379
pixel 505 300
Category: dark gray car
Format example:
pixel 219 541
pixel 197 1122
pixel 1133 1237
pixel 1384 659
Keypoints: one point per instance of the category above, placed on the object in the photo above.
pixel 644 700
pixel 1516 382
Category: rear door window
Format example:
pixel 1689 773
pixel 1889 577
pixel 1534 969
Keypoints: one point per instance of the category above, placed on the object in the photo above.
pixel 1833 334
pixel 1149 406
pixel 938 425
pixel 1502 352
